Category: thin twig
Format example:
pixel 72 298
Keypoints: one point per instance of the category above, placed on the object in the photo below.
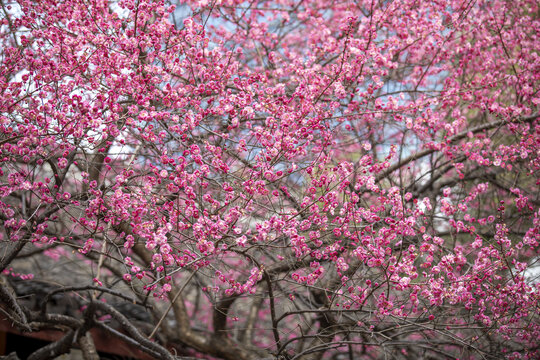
pixel 171 305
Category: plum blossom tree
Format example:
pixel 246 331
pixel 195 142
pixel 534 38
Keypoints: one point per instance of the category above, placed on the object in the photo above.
pixel 276 179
